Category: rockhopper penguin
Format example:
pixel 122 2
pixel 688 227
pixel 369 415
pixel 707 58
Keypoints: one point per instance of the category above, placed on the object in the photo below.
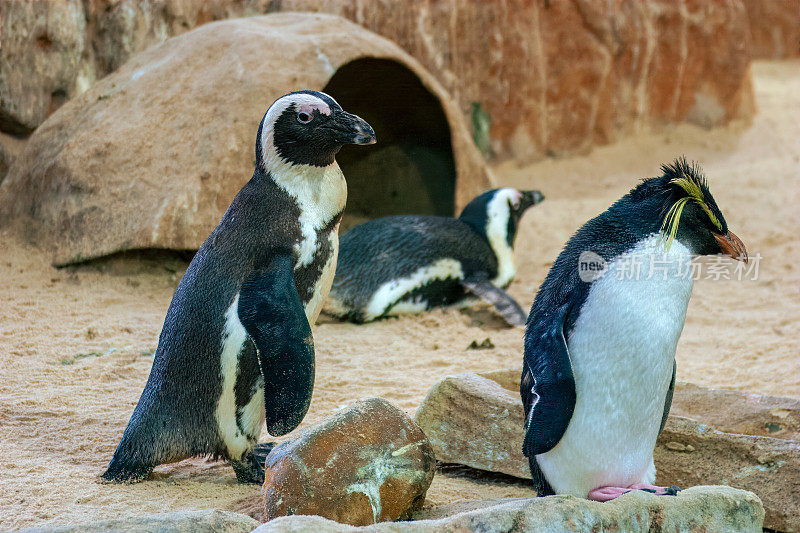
pixel 411 263
pixel 236 346
pixel 599 364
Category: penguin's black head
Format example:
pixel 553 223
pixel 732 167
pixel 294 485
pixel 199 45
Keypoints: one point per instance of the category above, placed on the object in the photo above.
pixel 496 213
pixel 307 128
pixel 687 211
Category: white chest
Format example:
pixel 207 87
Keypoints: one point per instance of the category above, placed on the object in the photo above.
pixel 323 285
pixel 622 350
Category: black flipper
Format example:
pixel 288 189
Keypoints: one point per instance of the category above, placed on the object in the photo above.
pixel 508 308
pixel 547 389
pixel 271 312
pixel 668 400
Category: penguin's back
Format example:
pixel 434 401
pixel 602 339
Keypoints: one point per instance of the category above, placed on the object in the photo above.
pixel 412 260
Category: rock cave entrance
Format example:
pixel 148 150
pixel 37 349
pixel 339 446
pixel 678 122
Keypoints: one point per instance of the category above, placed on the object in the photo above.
pixel 411 170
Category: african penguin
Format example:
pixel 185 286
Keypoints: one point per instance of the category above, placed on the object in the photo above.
pixel 236 347
pixel 599 363
pixel 411 263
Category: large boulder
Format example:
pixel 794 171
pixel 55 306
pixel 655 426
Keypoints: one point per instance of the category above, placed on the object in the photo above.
pixel 477 420
pixel 368 463
pixel 550 76
pixel 695 509
pixel 151 156
pixel 205 521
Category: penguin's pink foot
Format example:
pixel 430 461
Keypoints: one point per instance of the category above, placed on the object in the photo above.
pixel 604 494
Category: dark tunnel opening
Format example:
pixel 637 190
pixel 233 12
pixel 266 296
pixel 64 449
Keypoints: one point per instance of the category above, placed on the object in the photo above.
pixel 411 169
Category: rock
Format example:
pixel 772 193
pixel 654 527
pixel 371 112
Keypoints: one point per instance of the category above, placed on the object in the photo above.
pixel 764 465
pixel 205 521
pixel 774 28
pixel 739 412
pixel 366 464
pixel 549 76
pixel 151 156
pixel 10 147
pixel 694 509
pixel 44 60
pixel 477 420
pixel 474 421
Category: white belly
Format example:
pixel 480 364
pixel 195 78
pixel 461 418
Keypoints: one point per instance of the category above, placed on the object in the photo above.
pixel 323 285
pixel 622 349
pixel 252 415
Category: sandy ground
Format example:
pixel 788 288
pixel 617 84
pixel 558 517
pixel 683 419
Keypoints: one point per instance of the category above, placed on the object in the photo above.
pixel 76 345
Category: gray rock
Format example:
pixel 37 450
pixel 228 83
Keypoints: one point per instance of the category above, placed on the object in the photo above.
pixel 695 509
pixel 205 521
pixel 474 421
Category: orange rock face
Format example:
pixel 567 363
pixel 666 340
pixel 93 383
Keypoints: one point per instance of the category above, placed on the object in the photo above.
pixel 774 28
pixel 553 76
pixel 369 463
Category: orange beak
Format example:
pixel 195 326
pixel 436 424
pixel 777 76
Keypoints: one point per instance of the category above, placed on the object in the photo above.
pixel 733 246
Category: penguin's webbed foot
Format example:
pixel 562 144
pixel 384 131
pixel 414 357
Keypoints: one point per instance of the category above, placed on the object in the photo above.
pixel 248 469
pixel 604 494
pixel 262 450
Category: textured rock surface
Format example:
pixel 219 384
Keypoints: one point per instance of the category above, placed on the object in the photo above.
pixel 474 421
pixel 774 27
pixel 207 521
pixel 695 509
pixel 366 464
pixel 687 453
pixel 44 60
pixel 151 156
pixel 739 412
pixel 552 76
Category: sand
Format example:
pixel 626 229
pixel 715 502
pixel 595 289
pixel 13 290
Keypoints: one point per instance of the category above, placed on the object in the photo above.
pixel 76 344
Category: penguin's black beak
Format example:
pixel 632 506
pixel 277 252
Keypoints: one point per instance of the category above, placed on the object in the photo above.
pixel 348 128
pixel 530 198
pixel 732 245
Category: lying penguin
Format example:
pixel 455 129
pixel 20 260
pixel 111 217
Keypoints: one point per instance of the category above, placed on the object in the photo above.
pixel 410 263
pixel 236 346
pixel 599 364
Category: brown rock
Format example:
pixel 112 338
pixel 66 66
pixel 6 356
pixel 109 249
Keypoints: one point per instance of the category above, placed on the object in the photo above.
pixel 366 464
pixel 739 412
pixel 554 76
pixel 764 465
pixel 774 28
pixel 151 156
pixel 694 509
pixel 10 147
pixel 687 453
pixel 44 60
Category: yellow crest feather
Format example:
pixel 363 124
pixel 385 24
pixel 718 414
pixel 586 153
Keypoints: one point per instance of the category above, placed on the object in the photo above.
pixel 673 217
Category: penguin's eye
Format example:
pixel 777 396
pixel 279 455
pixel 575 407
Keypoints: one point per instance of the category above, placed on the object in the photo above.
pixel 303 117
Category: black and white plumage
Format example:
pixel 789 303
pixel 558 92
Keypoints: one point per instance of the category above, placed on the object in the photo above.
pixel 599 364
pixel 410 263
pixel 236 347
